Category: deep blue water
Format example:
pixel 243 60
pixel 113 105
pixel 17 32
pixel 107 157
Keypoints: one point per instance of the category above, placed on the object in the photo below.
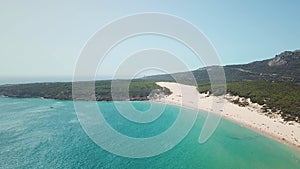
pixel 41 133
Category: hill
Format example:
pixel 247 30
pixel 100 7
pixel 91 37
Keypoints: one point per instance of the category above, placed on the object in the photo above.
pixel 283 67
pixel 138 90
pixel 273 83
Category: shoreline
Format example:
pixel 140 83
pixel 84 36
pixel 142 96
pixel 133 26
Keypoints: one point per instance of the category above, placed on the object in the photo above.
pixel 249 116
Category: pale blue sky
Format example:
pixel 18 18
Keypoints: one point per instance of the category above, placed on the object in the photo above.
pixel 44 38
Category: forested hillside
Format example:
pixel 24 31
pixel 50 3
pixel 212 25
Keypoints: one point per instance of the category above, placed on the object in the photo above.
pixel 282 97
pixel 138 90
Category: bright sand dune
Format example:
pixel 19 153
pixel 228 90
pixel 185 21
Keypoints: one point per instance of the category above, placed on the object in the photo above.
pixel 250 116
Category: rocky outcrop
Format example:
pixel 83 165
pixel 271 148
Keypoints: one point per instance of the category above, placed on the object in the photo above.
pixel 284 58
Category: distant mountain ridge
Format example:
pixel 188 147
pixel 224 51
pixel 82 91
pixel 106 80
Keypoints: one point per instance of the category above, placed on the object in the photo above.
pixel 283 67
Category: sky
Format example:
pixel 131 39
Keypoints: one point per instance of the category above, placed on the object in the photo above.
pixel 42 40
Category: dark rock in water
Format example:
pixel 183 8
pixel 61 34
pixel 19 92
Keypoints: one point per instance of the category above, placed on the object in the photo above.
pixel 139 98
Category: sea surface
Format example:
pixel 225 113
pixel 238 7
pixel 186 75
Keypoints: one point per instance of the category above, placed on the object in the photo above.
pixel 42 133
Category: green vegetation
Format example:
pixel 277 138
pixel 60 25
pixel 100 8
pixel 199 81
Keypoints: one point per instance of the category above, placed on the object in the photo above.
pixel 283 96
pixel 283 67
pixel 142 88
pixel 273 83
pixel 61 90
pixel 138 90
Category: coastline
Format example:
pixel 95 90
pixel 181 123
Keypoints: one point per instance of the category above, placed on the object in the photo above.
pixel 249 116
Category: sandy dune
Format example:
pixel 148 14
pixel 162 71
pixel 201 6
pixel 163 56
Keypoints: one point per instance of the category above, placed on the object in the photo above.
pixel 250 116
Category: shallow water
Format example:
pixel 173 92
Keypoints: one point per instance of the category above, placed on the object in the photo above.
pixel 41 133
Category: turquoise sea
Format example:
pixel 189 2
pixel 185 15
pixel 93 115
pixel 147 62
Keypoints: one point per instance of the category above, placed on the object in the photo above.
pixel 41 133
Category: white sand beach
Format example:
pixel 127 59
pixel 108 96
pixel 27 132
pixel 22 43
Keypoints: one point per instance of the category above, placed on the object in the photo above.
pixel 249 116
